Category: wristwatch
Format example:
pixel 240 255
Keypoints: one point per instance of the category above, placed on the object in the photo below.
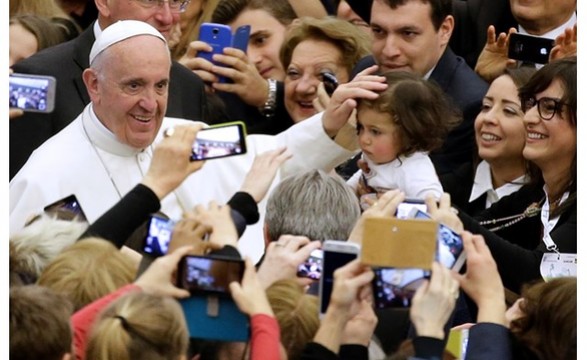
pixel 269 107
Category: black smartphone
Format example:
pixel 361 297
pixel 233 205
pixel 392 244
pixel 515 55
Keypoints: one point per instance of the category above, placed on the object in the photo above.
pixel 336 254
pixel 209 274
pixel 395 287
pixel 529 48
pixel 158 236
pixel 450 249
pixel 220 141
pixel 67 208
pixel 312 268
pixel 330 82
pixel 35 93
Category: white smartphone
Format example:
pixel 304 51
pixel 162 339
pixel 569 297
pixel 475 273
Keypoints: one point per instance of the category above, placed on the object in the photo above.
pixel 35 93
pixel 336 253
pixel 218 141
pixel 405 207
pixel 450 249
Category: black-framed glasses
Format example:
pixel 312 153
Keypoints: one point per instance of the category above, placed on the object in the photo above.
pixel 547 106
pixel 176 6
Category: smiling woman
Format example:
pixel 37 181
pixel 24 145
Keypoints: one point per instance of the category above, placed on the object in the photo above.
pixel 311 48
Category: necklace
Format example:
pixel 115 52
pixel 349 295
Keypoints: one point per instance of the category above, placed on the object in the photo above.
pixel 531 211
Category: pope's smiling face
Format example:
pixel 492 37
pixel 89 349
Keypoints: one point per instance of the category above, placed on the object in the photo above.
pixel 129 87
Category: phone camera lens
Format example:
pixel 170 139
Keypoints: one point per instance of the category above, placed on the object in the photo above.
pixel 215 31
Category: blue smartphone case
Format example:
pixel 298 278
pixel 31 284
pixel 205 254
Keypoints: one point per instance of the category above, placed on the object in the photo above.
pixel 215 318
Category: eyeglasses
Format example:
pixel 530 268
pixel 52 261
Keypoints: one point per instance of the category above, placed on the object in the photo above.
pixel 176 6
pixel 547 107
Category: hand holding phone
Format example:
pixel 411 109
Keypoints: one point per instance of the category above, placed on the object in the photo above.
pixel 529 48
pixel 220 141
pixel 336 253
pixel 312 268
pixel 34 93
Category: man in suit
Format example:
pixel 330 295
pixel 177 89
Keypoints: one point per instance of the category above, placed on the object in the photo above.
pixel 67 61
pixel 414 36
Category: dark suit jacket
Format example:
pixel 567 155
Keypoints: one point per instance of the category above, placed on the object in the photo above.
pixel 466 89
pixel 66 62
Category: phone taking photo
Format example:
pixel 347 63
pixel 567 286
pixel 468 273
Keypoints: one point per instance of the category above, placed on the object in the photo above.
pixel 34 93
pixel 209 274
pixel 529 48
pixel 67 208
pixel 330 82
pixel 228 139
pixel 336 253
pixel 158 236
pixel 312 268
pixel 395 287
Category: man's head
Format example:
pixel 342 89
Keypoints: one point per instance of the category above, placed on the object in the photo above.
pixel 39 324
pixel 542 16
pixel 312 204
pixel 161 14
pixel 410 35
pixel 128 81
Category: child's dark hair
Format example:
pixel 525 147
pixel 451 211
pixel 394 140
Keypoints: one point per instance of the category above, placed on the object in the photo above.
pixel 420 110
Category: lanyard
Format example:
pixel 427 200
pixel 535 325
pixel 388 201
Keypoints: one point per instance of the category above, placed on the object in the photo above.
pixel 549 224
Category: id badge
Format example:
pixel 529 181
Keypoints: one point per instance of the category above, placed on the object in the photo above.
pixel 555 265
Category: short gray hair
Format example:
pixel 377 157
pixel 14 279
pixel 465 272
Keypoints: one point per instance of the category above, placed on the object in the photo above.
pixel 312 204
pixel 38 243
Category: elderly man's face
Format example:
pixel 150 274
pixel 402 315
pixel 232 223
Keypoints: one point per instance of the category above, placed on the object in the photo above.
pixel 160 17
pixel 129 90
pixel 541 16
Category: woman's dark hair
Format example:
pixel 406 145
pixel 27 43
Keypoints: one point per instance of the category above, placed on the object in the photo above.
pixel 564 70
pixel 419 108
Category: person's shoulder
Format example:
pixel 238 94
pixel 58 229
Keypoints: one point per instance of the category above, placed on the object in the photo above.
pixel 182 74
pixel 47 60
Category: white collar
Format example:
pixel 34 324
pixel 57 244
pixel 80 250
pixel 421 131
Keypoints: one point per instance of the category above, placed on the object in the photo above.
pixel 482 184
pixel 103 138
pixel 552 34
pixel 97 30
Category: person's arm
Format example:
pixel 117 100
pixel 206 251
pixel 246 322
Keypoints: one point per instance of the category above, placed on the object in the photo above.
pixel 493 59
pixel 489 341
pixel 351 287
pixel 251 299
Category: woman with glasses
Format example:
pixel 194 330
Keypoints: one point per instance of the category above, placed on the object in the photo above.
pixel 549 101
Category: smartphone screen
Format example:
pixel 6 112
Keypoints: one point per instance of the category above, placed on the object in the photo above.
pixel 158 236
pixel 67 208
pixel 209 275
pixel 529 48
pixel 312 268
pixel 404 209
pixel 450 248
pixel 220 141
pixel 333 259
pixel 394 287
pixel 33 93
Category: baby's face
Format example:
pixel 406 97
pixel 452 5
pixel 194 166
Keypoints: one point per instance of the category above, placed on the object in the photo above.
pixel 378 136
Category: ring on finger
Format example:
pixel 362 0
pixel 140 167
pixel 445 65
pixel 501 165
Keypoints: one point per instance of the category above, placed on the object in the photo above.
pixel 169 132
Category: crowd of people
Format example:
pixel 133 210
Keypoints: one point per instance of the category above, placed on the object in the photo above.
pixel 352 107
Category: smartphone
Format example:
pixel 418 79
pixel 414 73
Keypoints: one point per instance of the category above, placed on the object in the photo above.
pixel 404 208
pixel 67 208
pixel 209 274
pixel 35 93
pixel 218 36
pixel 450 249
pixel 395 287
pixel 312 268
pixel 529 48
pixel 240 39
pixel 336 253
pixel 158 236
pixel 330 82
pixel 220 141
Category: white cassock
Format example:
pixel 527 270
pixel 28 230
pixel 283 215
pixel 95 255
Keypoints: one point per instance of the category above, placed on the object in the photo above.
pixel 87 160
